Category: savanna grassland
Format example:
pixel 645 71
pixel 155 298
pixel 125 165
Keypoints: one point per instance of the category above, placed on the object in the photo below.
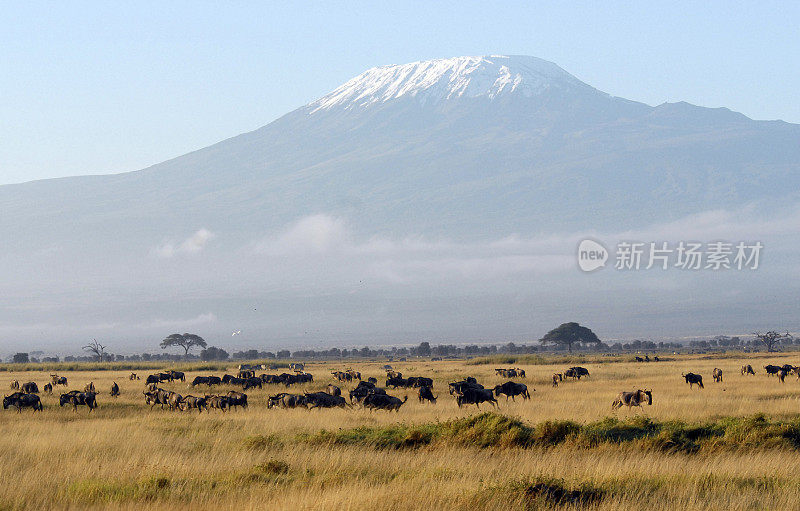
pixel 733 445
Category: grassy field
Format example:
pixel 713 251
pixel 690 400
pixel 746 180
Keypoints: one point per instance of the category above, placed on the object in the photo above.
pixel 733 445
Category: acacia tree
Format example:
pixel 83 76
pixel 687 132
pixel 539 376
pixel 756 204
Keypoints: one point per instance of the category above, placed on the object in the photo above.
pixel 98 349
pixel 185 341
pixel 568 334
pixel 771 338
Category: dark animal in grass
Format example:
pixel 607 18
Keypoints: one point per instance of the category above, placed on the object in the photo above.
pixel 114 390
pixel 286 400
pixel 473 396
pixel 383 402
pixel 631 399
pixel 217 402
pixel 236 399
pixel 333 390
pixel 782 375
pixel 48 387
pixel 372 380
pixel 14 384
pixel 717 375
pixel 771 369
pixel 747 369
pixel 89 387
pixel 692 379
pixel 576 372
pixel 58 380
pixel 133 377
pixel 76 399
pixel 426 394
pixel 29 388
pixel 177 375
pixel 20 400
pixel 253 382
pixel 191 402
pixel 512 389
pixel 324 400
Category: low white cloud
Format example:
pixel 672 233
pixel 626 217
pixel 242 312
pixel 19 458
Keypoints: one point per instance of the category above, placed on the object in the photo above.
pixel 314 234
pixel 192 245
pixel 202 319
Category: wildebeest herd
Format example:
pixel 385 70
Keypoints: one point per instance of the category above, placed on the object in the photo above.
pixel 366 394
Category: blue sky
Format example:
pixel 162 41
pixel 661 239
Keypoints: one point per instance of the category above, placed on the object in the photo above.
pixel 100 87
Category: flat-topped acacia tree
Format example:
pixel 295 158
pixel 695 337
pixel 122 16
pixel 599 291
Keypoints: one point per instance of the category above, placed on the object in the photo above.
pixel 568 334
pixel 185 341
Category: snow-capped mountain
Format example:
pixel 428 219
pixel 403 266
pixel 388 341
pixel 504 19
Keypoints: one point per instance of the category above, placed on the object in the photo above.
pixel 452 157
pixel 434 81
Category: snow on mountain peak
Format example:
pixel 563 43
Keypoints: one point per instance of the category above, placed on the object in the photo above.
pixel 442 79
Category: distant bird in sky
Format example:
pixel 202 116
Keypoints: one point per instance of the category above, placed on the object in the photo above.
pixel 234 334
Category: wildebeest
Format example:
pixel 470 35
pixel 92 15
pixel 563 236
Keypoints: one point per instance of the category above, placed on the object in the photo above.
pixel 218 402
pixel 342 376
pixel 576 372
pixel 206 380
pixel 297 366
pixel 133 377
pixel 236 399
pixel 14 384
pixel 771 369
pixel 190 402
pixel 631 399
pixel 286 400
pixel 396 381
pixel 76 399
pixel 458 387
pixel 153 379
pixel 372 380
pixel 89 387
pixel 420 381
pixel 20 400
pixel 157 397
pixel 717 375
pixel 383 402
pixel 58 380
pixel 692 378
pixel 747 369
pixel 557 377
pixel 511 389
pixel 29 388
pixel 333 390
pixel 246 373
pixel 393 374
pixel 177 375
pixel 782 374
pixel 253 382
pixel 48 387
pixel 473 396
pixel 324 400
pixel 426 394
pixel 114 389
pixel 174 401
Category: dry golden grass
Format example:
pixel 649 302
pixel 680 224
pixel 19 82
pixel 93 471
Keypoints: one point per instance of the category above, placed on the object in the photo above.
pixel 125 456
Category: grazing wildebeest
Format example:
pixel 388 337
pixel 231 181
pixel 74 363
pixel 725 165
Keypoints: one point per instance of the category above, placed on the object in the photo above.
pixel 58 380
pixel 789 368
pixel 14 384
pixel 177 375
pixel 506 373
pixel 511 389
pixel 556 379
pixel 782 374
pixel 393 374
pixel 89 387
pixel 246 373
pixel 576 372
pixel 639 359
pixel 372 380
pixel 473 396
pixel 286 400
pixel 297 366
pixel 76 398
pixel 362 390
pixel 174 401
pixel 333 390
pixel 114 389
pixel 656 359
pixel 426 394
pixel 383 402
pixel 29 388
pixel 692 378
pixel 236 399
pixel 157 397
pixel 748 369
pixel 153 379
pixel 133 377
pixel 190 402
pixel 20 400
pixel 162 377
pixel 355 375
pixel 717 375
pixel 342 376
pixel 771 369
pixel 48 387
pixel 631 399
